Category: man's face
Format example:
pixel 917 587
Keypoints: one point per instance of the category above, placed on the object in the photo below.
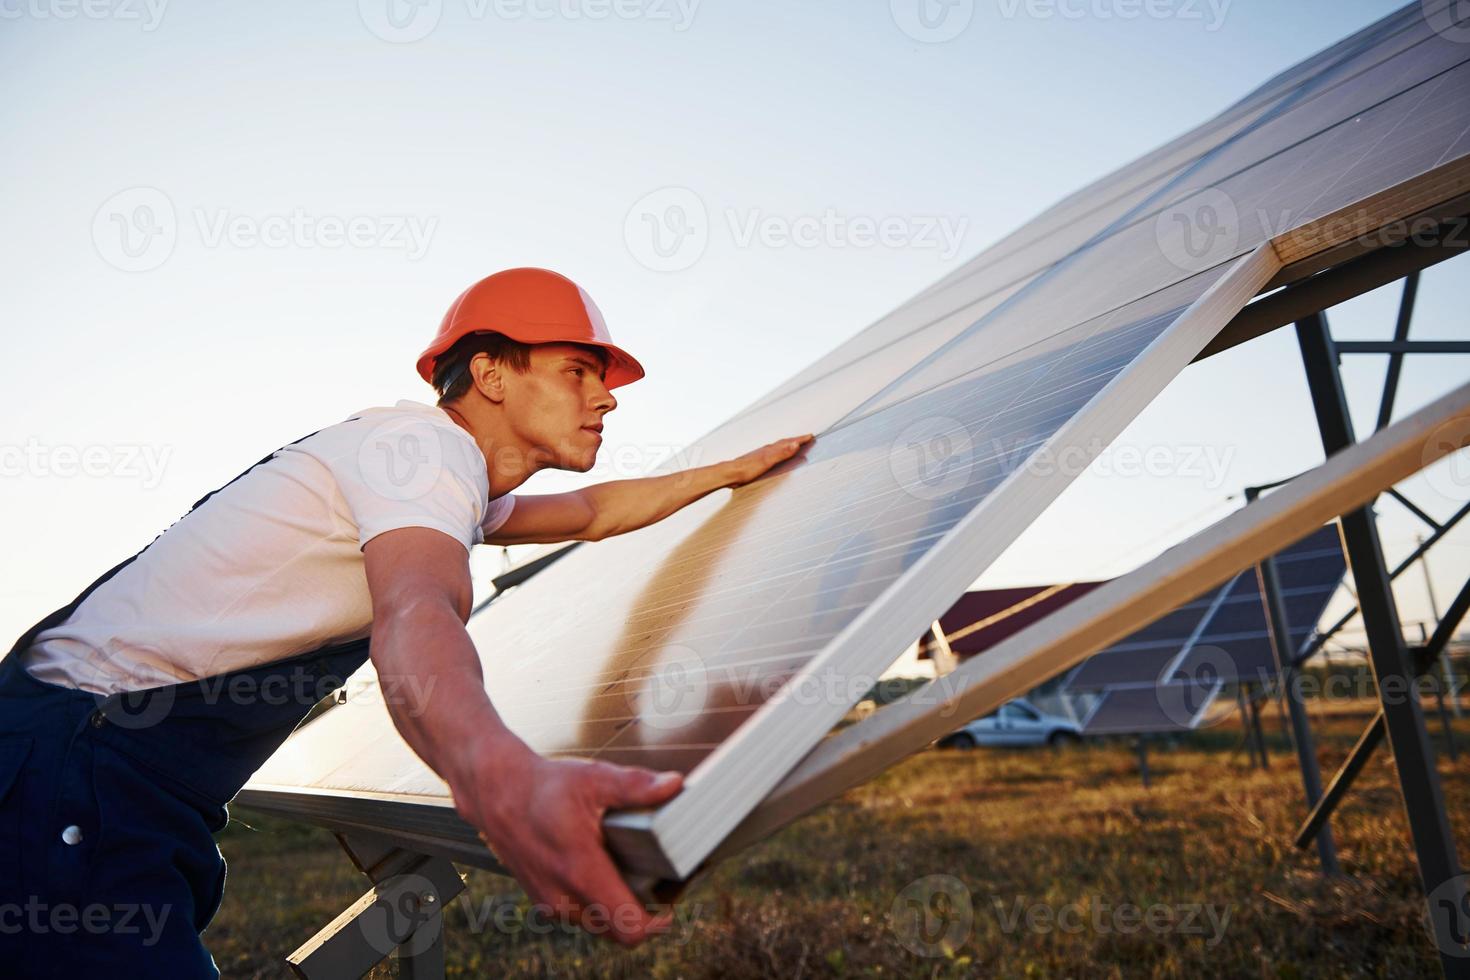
pixel 557 405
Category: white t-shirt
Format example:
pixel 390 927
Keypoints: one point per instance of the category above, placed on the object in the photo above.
pixel 271 565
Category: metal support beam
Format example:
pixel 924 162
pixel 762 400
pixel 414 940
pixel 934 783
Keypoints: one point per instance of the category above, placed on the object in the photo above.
pixel 1451 688
pixel 1414 509
pixel 1398 570
pixel 1337 282
pixel 1260 733
pixel 1396 361
pixel 1439 866
pixel 1373 735
pixel 1403 347
pixel 402 913
pixel 1301 727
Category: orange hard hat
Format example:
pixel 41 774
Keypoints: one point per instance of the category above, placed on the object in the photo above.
pixel 533 306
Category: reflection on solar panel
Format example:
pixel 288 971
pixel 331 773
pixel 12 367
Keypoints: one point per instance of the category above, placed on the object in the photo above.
pixel 1163 677
pixel 745 626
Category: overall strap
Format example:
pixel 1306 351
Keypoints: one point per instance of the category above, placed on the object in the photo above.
pixel 60 616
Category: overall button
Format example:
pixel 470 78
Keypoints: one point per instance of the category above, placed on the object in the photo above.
pixel 72 835
pixel 98 719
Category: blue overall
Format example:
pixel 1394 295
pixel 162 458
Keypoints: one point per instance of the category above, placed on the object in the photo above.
pixel 108 806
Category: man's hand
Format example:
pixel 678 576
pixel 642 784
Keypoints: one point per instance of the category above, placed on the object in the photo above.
pixel 543 817
pixel 543 820
pixel 753 464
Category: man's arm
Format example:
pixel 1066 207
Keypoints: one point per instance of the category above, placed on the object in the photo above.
pixel 620 506
pixel 541 817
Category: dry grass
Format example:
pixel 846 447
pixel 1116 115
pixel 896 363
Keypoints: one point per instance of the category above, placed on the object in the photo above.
pixel 1025 833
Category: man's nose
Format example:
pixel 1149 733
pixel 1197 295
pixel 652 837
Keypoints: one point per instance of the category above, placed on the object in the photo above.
pixel 604 401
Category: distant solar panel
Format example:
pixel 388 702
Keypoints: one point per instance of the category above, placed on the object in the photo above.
pixel 1224 634
pixel 1167 682
pixel 1173 707
pixel 747 623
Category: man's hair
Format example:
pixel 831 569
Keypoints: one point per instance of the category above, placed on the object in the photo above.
pixel 452 368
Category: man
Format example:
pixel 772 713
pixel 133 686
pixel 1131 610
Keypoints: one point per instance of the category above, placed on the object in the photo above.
pixel 130 717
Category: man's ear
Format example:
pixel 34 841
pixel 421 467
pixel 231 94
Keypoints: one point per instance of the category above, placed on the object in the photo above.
pixel 486 374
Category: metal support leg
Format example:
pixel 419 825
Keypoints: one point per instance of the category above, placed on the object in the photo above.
pixel 1439 867
pixel 1372 736
pixel 1301 726
pixel 402 912
pixel 1255 706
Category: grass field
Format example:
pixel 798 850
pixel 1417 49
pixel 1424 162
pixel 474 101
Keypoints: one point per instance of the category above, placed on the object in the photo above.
pixel 1032 863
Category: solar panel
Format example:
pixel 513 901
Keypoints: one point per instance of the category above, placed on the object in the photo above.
pixel 1173 707
pixel 1347 480
pixel 1223 635
pixel 726 640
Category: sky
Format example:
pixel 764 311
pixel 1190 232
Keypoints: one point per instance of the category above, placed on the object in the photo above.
pixel 229 225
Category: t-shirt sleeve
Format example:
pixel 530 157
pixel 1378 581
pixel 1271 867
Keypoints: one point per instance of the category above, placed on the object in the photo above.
pixel 496 514
pixel 408 473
